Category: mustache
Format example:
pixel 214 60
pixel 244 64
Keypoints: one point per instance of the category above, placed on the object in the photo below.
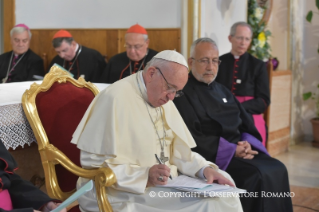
pixel 210 72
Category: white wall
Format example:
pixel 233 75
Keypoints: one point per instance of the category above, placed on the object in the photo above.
pixel 218 16
pixel 58 14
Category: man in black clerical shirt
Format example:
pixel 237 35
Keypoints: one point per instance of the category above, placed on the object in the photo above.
pixel 79 60
pixel 134 59
pixel 225 134
pixel 20 64
pixel 246 76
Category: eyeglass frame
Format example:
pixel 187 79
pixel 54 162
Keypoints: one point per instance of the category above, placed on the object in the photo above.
pixel 170 88
pixel 206 62
pixel 241 38
pixel 128 46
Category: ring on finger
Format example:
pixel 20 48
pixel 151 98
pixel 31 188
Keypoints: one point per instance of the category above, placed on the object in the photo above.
pixel 160 178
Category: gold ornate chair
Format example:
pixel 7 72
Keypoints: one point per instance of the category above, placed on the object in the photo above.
pixel 54 109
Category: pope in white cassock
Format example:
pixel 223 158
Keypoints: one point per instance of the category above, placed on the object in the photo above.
pixel 131 121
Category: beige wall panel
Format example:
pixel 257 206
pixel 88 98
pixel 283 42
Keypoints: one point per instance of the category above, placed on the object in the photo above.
pixel 280 101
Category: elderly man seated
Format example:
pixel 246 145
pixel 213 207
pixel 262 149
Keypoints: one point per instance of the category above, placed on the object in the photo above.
pixel 225 134
pixel 134 59
pixel 131 121
pixel 20 64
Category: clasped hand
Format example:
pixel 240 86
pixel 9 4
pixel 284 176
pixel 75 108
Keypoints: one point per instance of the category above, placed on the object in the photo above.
pixel 243 150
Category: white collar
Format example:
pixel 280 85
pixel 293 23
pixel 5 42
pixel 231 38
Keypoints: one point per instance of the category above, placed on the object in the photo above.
pixel 140 75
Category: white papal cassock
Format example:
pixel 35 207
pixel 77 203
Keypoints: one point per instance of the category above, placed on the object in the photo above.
pixel 117 131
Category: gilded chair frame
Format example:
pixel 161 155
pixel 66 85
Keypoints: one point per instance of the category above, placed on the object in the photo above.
pixel 50 155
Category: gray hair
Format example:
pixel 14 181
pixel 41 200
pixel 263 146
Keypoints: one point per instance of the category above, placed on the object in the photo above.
pixel 144 36
pixel 19 30
pixel 201 40
pixel 240 23
pixel 56 42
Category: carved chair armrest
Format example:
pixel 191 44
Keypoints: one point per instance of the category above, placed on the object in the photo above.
pixel 56 156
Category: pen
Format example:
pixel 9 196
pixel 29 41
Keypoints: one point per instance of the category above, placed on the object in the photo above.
pixel 161 162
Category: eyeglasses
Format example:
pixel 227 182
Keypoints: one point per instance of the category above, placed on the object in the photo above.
pixel 206 62
pixel 240 38
pixel 171 89
pixel 135 47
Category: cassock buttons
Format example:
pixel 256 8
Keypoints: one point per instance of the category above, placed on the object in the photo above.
pixel 225 100
pixel 238 81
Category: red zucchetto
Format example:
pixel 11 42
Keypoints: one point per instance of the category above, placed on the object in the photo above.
pixel 137 29
pixel 62 34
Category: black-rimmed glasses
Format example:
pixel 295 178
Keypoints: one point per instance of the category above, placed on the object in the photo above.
pixel 170 88
pixel 206 62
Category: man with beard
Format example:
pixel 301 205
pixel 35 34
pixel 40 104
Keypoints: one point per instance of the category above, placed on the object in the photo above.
pixel 225 133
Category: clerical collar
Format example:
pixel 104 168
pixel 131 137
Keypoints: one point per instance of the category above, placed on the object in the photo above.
pixel 142 86
pixel 130 66
pixel 236 57
pixel 142 63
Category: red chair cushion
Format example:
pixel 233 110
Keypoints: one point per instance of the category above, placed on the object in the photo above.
pixel 61 109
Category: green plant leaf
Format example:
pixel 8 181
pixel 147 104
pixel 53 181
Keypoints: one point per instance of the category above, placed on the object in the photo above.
pixel 306 96
pixel 309 16
pixel 267 33
pixel 317 4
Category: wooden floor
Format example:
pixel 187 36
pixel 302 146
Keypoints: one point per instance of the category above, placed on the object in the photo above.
pixel 302 162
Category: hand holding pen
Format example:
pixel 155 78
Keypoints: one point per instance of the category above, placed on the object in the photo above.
pixel 161 162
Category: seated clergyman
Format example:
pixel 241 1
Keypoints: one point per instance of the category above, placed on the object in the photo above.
pixel 77 59
pixel 134 59
pixel 131 121
pixel 20 64
pixel 225 133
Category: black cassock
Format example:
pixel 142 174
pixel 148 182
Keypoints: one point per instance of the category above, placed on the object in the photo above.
pixel 119 66
pixel 89 63
pixel 217 122
pixel 29 65
pixel 25 196
pixel 246 76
